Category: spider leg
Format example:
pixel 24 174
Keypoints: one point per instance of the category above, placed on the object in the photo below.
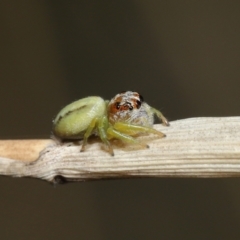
pixel 88 132
pixel 113 133
pixel 160 116
pixel 134 129
pixel 102 126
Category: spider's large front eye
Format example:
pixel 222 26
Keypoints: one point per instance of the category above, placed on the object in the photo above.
pixel 130 107
pixel 138 103
pixel 127 106
pixel 117 105
pixel 141 98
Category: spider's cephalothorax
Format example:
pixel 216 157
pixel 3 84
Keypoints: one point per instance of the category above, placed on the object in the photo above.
pixel 123 117
pixel 129 107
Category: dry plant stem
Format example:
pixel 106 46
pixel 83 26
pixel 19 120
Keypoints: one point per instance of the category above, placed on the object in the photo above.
pixel 196 147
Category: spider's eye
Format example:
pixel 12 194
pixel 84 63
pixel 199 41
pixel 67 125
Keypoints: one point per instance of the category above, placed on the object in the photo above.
pixel 117 105
pixel 130 107
pixel 139 103
pixel 141 98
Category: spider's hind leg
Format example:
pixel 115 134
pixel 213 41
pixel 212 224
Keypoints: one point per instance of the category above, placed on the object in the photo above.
pixel 88 133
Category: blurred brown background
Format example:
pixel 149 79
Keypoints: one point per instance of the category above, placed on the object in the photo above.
pixel 182 56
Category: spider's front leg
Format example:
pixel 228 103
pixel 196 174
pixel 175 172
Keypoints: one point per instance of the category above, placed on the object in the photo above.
pixel 131 129
pixel 124 137
pixel 125 131
pixel 160 116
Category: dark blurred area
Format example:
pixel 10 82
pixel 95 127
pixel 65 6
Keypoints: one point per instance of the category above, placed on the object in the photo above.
pixel 182 56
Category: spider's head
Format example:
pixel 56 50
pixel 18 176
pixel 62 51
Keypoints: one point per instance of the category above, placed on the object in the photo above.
pixel 124 105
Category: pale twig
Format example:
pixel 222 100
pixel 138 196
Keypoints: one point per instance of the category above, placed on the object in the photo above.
pixel 196 147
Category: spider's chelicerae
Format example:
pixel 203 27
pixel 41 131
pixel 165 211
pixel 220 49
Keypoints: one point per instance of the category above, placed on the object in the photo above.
pixel 121 118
